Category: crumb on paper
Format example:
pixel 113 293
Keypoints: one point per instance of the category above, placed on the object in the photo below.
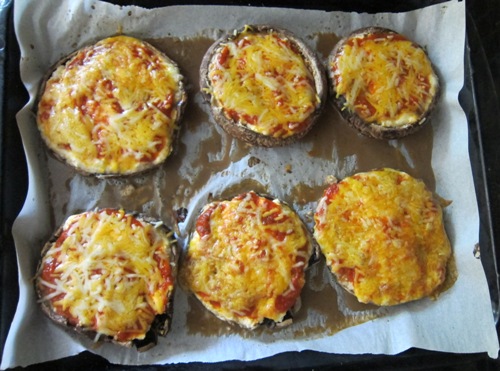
pixel 252 161
pixel 331 179
pixel 127 191
pixel 181 214
pixel 477 251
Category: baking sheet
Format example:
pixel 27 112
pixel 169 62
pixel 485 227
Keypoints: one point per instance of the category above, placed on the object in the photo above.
pixel 209 164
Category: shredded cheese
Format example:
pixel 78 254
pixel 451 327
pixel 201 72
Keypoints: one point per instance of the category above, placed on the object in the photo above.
pixel 108 272
pixel 112 107
pixel 385 78
pixel 246 259
pixel 383 236
pixel 262 82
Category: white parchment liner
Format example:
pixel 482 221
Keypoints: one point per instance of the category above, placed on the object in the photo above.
pixel 460 320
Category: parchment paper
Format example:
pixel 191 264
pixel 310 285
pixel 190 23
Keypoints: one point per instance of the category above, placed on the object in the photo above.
pixel 209 164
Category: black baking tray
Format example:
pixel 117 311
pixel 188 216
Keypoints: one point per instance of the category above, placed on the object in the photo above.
pixel 479 99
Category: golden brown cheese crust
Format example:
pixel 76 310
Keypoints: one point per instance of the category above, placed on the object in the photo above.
pixel 109 273
pixel 112 108
pixel 246 259
pixel 383 237
pixel 382 83
pixel 264 85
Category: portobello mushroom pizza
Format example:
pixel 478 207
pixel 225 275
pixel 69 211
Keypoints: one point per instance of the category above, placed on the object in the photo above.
pixel 383 84
pixel 110 275
pixel 383 237
pixel 264 85
pixel 246 260
pixel 112 108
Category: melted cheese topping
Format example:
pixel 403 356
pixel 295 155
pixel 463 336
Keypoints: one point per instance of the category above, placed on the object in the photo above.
pixel 112 107
pixel 246 259
pixel 261 81
pixel 385 79
pixel 108 272
pixel 383 237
